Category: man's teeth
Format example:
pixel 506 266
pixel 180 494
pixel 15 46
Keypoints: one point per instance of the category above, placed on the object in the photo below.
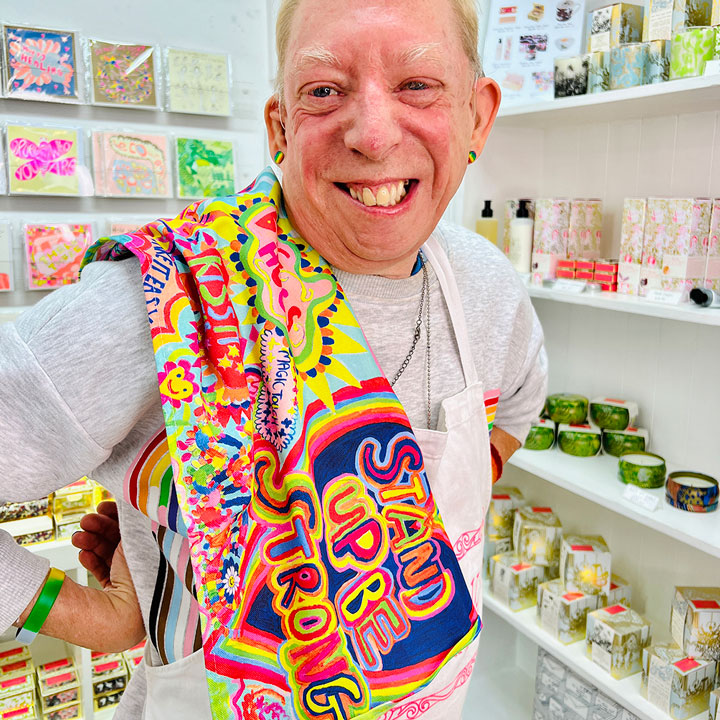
pixel 386 196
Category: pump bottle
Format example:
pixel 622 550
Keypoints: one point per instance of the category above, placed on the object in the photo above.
pixel 521 233
pixel 487 226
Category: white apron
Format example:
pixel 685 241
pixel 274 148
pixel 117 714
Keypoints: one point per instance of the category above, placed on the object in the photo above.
pixel 459 469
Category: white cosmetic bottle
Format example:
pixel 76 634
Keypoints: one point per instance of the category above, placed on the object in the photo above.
pixel 521 234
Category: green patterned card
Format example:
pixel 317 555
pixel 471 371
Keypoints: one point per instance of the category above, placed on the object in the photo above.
pixel 205 168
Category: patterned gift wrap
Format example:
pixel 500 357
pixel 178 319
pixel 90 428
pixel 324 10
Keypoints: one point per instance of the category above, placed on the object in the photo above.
pixel 616 636
pixel 631 245
pixel 550 232
pixel 627 65
pixel 599 72
pixel 691 50
pixel 657 67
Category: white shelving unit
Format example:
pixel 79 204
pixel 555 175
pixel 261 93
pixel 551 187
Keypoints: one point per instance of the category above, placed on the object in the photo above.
pixel 697 94
pixel 595 479
pixel 626 692
pixel 657 140
pixel 630 304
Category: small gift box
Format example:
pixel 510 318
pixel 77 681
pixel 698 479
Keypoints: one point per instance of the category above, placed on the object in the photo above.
pixel 537 533
pixel 691 50
pixel 631 245
pixel 514 582
pixel 627 65
pixel 585 564
pixel 571 76
pixel 615 25
pixel 599 72
pixel 58 684
pixel 679 685
pixel 657 68
pixel 616 636
pixel 563 613
pixel 494 545
pixel 620 593
pixel 501 512
pixel 695 621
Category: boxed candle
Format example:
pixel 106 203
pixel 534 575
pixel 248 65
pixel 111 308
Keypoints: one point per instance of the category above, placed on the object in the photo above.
pixel 585 231
pixel 657 68
pixel 615 638
pixel 686 242
pixel 669 17
pixel 714 713
pixel 537 534
pixel 501 512
pixel 514 582
pixel 618 442
pixel 615 25
pixel 585 564
pixel 562 613
pixel 631 245
pixel 658 227
pixel 712 267
pixel 571 75
pixel 552 218
pixel 695 621
pixel 627 65
pixel 690 51
pixel 599 72
pixel 679 685
pixel 494 545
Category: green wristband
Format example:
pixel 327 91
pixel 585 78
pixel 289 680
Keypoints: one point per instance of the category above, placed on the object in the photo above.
pixel 42 607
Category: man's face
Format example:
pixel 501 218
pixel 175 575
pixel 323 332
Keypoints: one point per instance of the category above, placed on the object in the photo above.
pixel 379 116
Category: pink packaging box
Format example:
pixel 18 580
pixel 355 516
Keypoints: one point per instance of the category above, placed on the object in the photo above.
pixel 631 245
pixel 685 250
pixel 712 267
pixel 552 218
pixel 585 231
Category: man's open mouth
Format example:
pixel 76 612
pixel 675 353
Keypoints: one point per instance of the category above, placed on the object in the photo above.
pixel 384 195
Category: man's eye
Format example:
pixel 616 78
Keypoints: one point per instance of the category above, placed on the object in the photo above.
pixel 323 92
pixel 416 85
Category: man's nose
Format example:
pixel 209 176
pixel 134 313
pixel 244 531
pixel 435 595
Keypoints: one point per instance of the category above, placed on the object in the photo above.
pixel 374 128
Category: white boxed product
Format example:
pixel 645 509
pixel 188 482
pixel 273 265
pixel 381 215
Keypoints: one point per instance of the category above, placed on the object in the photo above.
pixel 615 638
pixel 561 613
pixel 536 535
pixel 494 545
pixel 514 582
pixel 695 621
pixel 585 564
pixel 620 593
pixel 679 685
pixel 714 705
pixel 501 512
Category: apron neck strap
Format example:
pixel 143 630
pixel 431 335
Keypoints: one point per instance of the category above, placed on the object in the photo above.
pixel 441 265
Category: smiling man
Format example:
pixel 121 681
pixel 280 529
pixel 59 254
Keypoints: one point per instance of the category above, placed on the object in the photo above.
pixel 305 440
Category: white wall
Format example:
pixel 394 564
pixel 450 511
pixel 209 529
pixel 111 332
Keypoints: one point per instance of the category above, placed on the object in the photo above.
pixel 241 28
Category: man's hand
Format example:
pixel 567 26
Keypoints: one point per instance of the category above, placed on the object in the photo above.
pixel 505 444
pixel 97 540
pixel 108 620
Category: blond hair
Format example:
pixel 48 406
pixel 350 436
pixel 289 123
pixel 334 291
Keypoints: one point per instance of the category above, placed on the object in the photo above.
pixel 465 10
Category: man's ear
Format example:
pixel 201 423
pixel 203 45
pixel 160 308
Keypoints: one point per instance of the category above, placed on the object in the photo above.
pixel 487 101
pixel 275 126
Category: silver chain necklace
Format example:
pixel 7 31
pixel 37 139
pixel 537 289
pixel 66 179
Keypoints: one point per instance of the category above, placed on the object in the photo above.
pixel 424 305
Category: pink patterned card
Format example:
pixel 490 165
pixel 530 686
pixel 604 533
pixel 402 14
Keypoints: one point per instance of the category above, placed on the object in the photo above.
pixel 131 165
pixel 54 253
pixel 6 266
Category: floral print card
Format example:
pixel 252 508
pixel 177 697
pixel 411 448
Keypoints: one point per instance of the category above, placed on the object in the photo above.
pixel 40 64
pixel 131 165
pixel 46 161
pixel 122 74
pixel 205 168
pixel 54 253
pixel 198 82
pixel 6 264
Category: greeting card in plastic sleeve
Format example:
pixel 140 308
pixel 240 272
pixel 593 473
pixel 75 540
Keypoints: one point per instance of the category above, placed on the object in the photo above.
pixel 197 82
pixel 205 168
pixel 47 161
pixel 54 253
pixel 122 74
pixel 131 165
pixel 125 226
pixel 40 64
pixel 6 265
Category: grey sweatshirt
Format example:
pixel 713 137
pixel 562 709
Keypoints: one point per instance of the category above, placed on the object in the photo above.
pixel 79 394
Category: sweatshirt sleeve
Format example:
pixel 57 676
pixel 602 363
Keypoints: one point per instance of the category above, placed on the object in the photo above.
pixel 76 374
pixel 524 388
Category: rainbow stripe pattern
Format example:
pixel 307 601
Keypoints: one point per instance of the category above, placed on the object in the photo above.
pixel 327 585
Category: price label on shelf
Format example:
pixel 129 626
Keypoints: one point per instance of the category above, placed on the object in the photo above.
pixel 666 297
pixel 643 498
pixel 572 287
